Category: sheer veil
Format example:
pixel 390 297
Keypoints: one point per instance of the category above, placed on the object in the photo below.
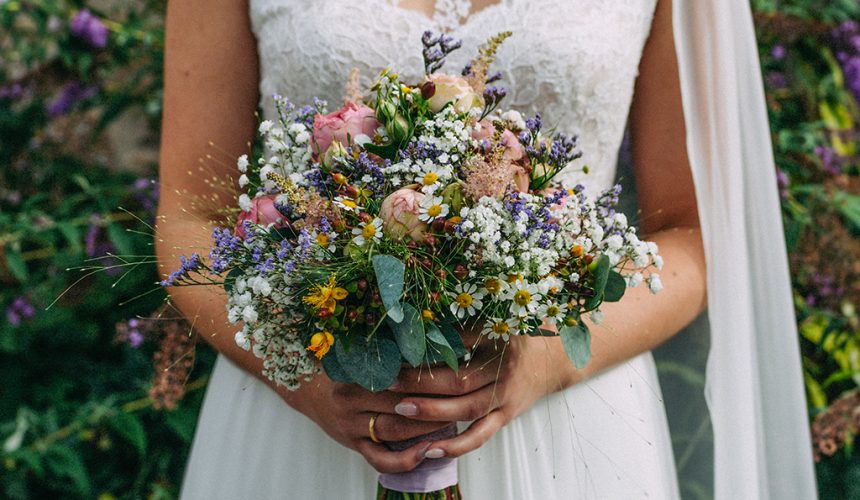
pixel 754 387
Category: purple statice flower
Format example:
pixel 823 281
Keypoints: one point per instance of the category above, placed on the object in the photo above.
pixel 227 245
pixel 20 309
pixel 830 161
pixel 71 94
pixel 493 95
pixel 362 167
pixel 187 266
pixel 88 27
pixel 494 77
pixel 436 48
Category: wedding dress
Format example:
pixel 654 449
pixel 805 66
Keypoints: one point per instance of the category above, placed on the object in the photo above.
pixel 574 61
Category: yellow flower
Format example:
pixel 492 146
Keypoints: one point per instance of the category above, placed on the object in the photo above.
pixel 326 296
pixel 321 342
pixel 428 315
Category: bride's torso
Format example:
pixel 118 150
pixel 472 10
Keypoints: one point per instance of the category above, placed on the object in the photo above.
pixel 575 61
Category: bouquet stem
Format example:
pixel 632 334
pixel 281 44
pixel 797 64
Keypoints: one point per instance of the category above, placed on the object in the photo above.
pixel 433 479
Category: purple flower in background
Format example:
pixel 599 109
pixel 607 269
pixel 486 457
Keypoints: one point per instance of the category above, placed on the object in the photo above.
pixel 146 192
pixel 71 94
pixel 778 52
pixel 89 28
pixel 12 92
pixel 783 182
pixel 846 41
pixel 20 309
pixel 776 80
pixel 831 162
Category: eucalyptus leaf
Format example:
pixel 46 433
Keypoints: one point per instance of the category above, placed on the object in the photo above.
pixel 615 287
pixel 438 348
pixel 334 369
pixel 372 364
pixel 409 335
pixel 452 335
pixel 577 343
pixel 601 275
pixel 390 273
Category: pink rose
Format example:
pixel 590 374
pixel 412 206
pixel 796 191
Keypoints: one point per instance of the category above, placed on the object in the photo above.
pixel 345 126
pixel 263 212
pixel 399 213
pixel 456 89
pixel 513 147
pixel 521 178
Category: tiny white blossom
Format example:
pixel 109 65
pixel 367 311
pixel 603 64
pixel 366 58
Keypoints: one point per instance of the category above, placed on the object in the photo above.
pixel 245 202
pixel 242 163
pixel 597 316
pixel 243 180
pixel 249 315
pixel 654 283
pixel 658 262
pixel 242 341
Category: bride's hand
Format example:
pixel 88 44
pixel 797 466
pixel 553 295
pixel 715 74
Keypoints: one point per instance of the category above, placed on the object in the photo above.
pixel 499 383
pixel 344 411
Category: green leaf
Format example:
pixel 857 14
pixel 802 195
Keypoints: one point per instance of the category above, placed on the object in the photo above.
pixel 72 235
pixel 577 343
pixel 439 349
pixel 409 335
pixel 615 287
pixel 64 461
pixel 230 279
pixel 389 277
pixel 182 421
pixel 120 240
pixel 453 337
pixel 372 364
pixel 128 426
pixel 334 369
pixel 387 151
pixel 600 269
pixel 16 264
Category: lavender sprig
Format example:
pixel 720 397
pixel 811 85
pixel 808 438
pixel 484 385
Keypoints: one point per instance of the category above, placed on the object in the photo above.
pixel 436 48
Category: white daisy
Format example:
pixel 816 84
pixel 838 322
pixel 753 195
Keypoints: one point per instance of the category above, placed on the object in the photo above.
pixel 432 208
pixel 429 178
pixel 370 231
pixel 467 300
pixel 501 328
pixel 553 312
pixel 347 204
pixel 524 298
pixel 325 241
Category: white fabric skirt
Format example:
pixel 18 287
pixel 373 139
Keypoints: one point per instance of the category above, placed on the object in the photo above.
pixel 606 438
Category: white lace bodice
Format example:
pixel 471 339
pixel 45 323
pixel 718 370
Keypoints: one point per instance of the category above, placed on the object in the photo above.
pixel 575 61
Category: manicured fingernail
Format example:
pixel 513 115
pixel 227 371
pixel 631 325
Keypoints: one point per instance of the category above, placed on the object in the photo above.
pixel 406 409
pixel 434 453
pixel 395 386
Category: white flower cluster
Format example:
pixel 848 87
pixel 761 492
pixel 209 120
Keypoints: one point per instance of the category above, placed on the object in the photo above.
pixel 513 241
pixel 446 133
pixel 258 300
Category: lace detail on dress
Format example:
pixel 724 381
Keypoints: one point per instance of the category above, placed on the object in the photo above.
pixel 575 61
pixel 447 14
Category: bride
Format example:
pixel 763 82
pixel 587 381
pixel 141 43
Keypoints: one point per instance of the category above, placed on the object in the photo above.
pixel 686 76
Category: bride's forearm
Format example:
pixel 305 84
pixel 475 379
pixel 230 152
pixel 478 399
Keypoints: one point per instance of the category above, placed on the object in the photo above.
pixel 642 320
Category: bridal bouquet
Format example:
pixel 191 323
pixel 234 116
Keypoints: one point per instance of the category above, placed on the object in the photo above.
pixel 371 236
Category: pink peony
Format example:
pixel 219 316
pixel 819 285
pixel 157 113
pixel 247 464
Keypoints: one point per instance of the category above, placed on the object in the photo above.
pixel 399 213
pixel 454 89
pixel 344 126
pixel 513 147
pixel 262 212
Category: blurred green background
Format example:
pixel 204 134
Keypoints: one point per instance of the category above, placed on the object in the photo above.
pixel 99 394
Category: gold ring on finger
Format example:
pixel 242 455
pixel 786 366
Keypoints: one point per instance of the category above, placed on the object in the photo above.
pixel 371 430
